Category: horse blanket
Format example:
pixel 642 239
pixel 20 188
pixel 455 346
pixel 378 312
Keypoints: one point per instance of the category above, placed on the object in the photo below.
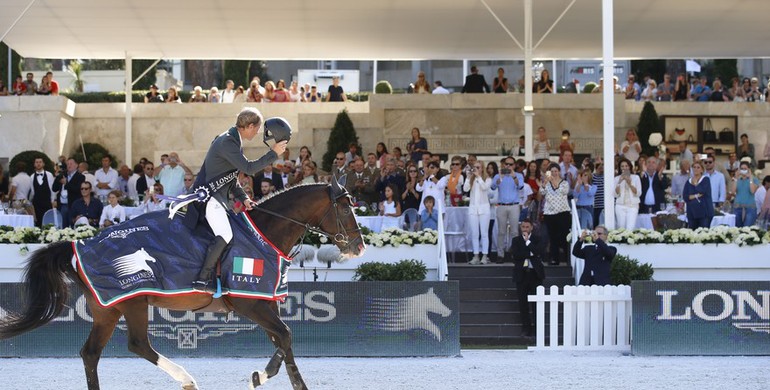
pixel 155 255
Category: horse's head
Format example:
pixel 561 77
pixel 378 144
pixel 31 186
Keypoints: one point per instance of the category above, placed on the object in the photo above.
pixel 146 256
pixel 340 224
pixel 434 304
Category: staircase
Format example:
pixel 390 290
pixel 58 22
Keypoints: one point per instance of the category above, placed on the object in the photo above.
pixel 489 308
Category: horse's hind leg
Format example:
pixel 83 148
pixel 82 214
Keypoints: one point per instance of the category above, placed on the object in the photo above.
pixel 105 320
pixel 135 312
pixel 266 315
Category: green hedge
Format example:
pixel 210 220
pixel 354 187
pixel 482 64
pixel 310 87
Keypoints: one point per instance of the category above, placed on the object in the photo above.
pixel 404 270
pixel 28 157
pixel 625 269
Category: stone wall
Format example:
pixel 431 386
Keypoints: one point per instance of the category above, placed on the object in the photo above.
pixel 452 123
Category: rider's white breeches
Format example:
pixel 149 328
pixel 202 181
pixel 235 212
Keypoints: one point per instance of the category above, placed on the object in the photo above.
pixel 216 215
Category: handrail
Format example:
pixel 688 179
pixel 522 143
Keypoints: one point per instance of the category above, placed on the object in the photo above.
pixel 443 267
pixel 577 263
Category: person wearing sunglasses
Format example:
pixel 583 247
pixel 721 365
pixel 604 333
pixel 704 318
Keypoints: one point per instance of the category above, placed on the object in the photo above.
pixel 86 210
pixel 508 184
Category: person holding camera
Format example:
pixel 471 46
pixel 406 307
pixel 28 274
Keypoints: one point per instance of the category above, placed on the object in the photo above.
pixel 508 183
pixel 744 206
pixel 556 212
pixel 697 197
pixel 597 255
pixel 478 185
pixel 113 213
pixel 628 189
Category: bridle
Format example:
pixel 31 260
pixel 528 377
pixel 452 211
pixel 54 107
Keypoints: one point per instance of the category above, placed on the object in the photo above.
pixel 341 237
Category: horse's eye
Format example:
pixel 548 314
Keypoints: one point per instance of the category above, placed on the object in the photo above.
pixel 346 211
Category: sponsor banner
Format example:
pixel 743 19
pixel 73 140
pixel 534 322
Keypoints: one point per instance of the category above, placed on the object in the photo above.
pixel 327 319
pixel 701 318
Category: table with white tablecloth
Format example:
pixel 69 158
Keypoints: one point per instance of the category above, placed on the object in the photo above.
pixel 644 221
pixel 17 220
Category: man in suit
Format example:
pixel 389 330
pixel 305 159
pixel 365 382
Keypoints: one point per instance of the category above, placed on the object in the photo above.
pixel 360 184
pixel 268 173
pixel 475 83
pixel 389 175
pixel 43 196
pixel 339 169
pixel 598 257
pixel 67 187
pixel 219 173
pixel 528 271
pixel 147 180
pixel 653 188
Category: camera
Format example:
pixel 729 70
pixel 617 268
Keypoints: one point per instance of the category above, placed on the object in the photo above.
pixel 505 171
pixel 548 174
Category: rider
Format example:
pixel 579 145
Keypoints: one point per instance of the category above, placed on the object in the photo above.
pixel 219 175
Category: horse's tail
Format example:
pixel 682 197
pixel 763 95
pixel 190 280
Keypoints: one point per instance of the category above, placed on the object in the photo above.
pixel 45 278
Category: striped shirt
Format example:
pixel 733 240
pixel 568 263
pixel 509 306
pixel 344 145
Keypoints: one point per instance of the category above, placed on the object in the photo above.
pixel 598 181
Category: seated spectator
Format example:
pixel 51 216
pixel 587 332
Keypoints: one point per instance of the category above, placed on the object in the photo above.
pixel 151 200
pixel 429 213
pixel 173 95
pixel 352 152
pixel 53 84
pixel 269 94
pixel 421 86
pixel 214 95
pixel 308 173
pixel 18 88
pixel 45 87
pixel 718 94
pixel 736 91
pixel 269 174
pixel 746 149
pixel 30 85
pixel 189 180
pixel 281 95
pixel 239 96
pixel 253 95
pixel 335 93
pixel 153 96
pixel 198 96
pixel 313 96
pixel 650 93
pixel 113 213
pixel 753 94
pixel 86 210
pixel 439 88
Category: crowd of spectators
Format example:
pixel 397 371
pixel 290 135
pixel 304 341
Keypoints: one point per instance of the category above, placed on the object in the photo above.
pixel 696 89
pixel 28 86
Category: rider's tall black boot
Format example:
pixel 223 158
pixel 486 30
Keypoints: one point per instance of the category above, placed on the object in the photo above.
pixel 205 280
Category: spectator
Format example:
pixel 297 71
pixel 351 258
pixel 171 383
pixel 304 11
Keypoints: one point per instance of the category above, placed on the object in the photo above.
pixel 545 84
pixel 431 185
pixel 390 207
pixel 455 181
pixel 339 168
pixel 410 196
pixel 428 213
pixel 113 213
pixel 736 91
pixel 45 87
pixel 30 86
pixel 294 94
pixel 699 91
pixel 287 174
pixel 239 96
pixel 152 202
pixel 253 95
pixel 308 174
pixel 171 174
pixel 275 178
pixel 761 193
pixel 352 153
pixel 360 184
pixel 19 88
pixel 43 196
pixel 650 93
pixel 305 90
pixel 4 183
pixel 54 85
pixel 228 95
pixel 259 85
pixel 478 185
pixel 568 169
pixel 214 95
pixel 439 88
pixel 265 188
pixel 684 152
pixel 3 89
pixel 527 253
pixel 189 180
pixel 304 155
pixel 598 257
pixel 653 188
pixel 718 94
pixel 417 145
pixel 388 175
pixel 681 89
pixel 732 164
pixel 21 184
pixel 86 210
pixel 106 178
pixel 124 175
pixel 597 179
pixel 198 96
pixel 666 89
pixel 147 180
pixel 83 168
pixel 153 96
pixel 631 147
pixel 371 165
pixel 173 95
pixel 746 149
pixel 697 197
pixel 632 89
pixel 680 178
pixel 335 93
pixel 399 155
pixel 716 179
pixel 269 95
pixel 313 96
pixel 508 184
pixel 585 191
pixel 475 83
pixel 744 188
pixel 247 182
pixel 500 83
pixel 421 86
pixel 753 94
pixel 542 146
pixel 628 188
pixel 556 211
pixel 565 144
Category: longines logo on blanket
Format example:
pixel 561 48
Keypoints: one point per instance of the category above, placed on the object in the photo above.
pixel 247 270
pixel 718 305
pixel 133 268
pixel 123 233
pixel 406 313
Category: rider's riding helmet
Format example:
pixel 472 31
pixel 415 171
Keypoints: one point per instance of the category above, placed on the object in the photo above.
pixel 278 129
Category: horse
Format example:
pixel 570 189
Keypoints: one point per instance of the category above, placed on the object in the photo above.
pixel 283 218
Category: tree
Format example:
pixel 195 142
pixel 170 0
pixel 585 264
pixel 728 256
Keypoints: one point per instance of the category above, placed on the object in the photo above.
pixel 139 66
pixel 238 71
pixel 15 66
pixel 648 123
pixel 343 133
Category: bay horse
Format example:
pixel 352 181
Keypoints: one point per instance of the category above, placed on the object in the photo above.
pixel 283 218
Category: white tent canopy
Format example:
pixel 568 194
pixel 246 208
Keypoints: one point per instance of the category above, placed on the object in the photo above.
pixel 380 30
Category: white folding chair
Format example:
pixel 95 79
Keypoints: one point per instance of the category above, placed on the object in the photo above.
pixel 410 220
pixel 53 217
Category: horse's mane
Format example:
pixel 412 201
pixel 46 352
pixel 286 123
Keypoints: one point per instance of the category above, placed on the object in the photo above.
pixel 297 188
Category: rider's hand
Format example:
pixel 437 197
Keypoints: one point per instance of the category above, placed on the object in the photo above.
pixel 249 204
pixel 280 147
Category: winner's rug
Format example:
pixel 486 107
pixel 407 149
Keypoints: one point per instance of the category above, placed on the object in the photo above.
pixel 155 255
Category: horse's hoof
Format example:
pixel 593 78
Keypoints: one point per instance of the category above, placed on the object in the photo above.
pixel 190 386
pixel 258 378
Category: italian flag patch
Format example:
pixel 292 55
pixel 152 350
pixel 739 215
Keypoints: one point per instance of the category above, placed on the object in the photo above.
pixel 248 266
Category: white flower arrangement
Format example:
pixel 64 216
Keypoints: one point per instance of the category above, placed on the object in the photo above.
pixel 34 235
pixel 744 236
pixel 364 211
pixel 397 237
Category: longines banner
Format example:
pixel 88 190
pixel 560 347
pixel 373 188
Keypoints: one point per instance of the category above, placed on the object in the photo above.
pixel 327 319
pixel 701 318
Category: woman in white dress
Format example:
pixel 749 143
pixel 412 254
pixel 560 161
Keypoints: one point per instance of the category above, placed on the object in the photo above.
pixel 390 209
pixel 628 189
pixel 113 213
pixel 478 211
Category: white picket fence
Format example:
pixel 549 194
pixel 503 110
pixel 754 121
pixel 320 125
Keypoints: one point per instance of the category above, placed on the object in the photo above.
pixel 594 318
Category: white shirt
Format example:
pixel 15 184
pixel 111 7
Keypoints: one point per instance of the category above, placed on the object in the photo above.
pixel 91 179
pixel 110 177
pixel 227 96
pixel 39 179
pixel 23 183
pixel 132 186
pixel 172 179
pixel 631 154
pixel 109 213
pixel 479 195
pixel 149 205
pixel 626 197
pixel 759 197
pixel 440 91
pixel 436 190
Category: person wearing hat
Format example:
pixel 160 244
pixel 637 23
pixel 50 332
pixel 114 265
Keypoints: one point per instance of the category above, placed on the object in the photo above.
pixel 217 179
pixel 153 96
